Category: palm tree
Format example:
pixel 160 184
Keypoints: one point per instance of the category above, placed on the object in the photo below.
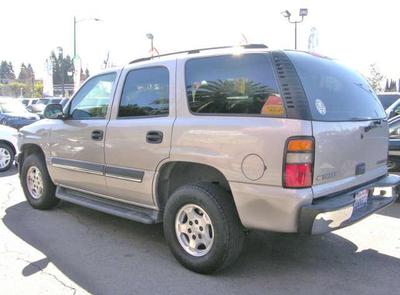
pixel 229 96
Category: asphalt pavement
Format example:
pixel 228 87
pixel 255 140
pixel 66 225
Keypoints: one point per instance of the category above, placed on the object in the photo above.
pixel 73 250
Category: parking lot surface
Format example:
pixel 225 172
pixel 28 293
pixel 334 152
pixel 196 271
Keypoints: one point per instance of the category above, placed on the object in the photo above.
pixel 73 250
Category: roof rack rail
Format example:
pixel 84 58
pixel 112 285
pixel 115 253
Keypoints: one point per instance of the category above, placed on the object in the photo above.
pixel 192 51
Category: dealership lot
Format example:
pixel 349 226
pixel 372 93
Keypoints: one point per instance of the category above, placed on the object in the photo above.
pixel 73 250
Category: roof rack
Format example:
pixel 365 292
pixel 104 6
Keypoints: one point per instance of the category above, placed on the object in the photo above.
pixel 192 51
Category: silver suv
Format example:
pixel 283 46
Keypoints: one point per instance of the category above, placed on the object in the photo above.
pixel 213 142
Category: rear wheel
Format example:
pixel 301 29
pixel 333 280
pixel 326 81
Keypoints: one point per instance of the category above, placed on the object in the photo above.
pixel 6 157
pixel 202 227
pixel 35 180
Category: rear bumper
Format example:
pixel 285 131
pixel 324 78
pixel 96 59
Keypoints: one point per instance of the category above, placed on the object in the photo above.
pixel 330 213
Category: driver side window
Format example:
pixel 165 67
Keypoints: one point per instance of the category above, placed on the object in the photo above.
pixel 93 99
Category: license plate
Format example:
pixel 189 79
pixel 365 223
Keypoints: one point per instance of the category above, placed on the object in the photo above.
pixel 361 199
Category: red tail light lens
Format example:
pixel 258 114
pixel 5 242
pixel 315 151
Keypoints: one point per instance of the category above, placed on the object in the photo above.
pixel 299 162
pixel 298 175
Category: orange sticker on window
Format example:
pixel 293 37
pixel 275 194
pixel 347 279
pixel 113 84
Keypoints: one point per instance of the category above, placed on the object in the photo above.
pixel 273 106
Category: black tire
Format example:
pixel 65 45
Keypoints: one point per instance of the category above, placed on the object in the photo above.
pixel 12 154
pixel 47 199
pixel 228 230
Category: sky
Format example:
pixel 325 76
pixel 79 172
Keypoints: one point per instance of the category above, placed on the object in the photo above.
pixel 355 32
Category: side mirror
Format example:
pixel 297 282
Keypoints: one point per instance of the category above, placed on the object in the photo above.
pixel 53 111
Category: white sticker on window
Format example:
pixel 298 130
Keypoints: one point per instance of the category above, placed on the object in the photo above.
pixel 320 107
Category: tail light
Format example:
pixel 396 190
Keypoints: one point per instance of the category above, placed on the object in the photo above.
pixel 298 162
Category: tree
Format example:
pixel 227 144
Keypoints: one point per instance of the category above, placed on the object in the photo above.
pixel 6 71
pixel 31 72
pixel 61 67
pixel 84 75
pixel 38 89
pixel 375 78
pixel 23 73
pixel 391 86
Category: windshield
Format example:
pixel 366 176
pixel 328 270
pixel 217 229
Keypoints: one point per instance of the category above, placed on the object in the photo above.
pixel 335 92
pixel 43 101
pixel 12 107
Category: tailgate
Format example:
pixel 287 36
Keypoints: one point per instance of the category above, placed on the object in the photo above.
pixel 348 154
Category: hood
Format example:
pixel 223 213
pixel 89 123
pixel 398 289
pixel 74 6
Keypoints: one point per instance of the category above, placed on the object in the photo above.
pixel 22 115
pixel 39 107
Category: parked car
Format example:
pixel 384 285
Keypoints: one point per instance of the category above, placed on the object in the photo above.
pixel 388 98
pixel 64 102
pixel 39 106
pixel 393 110
pixel 14 114
pixel 394 144
pixel 28 101
pixel 8 147
pixel 215 141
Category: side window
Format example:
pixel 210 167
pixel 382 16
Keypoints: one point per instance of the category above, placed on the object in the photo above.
pixel 92 100
pixel 396 110
pixel 145 93
pixel 394 129
pixel 243 84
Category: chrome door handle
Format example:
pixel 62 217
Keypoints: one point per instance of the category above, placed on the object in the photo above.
pixel 97 134
pixel 154 136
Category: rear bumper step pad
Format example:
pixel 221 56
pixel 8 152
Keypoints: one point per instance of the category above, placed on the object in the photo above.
pixel 334 212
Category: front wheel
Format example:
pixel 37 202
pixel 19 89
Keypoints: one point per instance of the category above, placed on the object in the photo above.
pixel 37 185
pixel 6 157
pixel 202 227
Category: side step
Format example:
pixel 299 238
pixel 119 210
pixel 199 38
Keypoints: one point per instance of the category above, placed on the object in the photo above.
pixel 128 211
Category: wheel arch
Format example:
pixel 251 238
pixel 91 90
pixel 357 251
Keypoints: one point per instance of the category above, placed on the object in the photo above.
pixel 29 149
pixel 9 144
pixel 174 174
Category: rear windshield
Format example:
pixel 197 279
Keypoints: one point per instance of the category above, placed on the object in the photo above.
pixel 335 92
pixel 232 84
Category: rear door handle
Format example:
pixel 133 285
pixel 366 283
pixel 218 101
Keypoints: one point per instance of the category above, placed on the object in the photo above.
pixel 154 136
pixel 97 134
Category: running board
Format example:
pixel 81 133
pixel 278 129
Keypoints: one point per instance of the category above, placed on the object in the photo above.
pixel 124 210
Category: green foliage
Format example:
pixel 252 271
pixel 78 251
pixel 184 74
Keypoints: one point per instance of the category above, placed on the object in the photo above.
pixel 18 88
pixel 38 89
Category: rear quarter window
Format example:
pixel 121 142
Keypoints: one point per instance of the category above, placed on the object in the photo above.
pixel 232 84
pixel 335 92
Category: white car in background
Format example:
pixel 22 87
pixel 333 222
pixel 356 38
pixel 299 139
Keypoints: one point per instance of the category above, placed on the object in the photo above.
pixel 8 147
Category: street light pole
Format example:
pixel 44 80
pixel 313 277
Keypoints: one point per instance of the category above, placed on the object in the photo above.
pixel 78 21
pixel 303 12
pixel 74 36
pixel 76 60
